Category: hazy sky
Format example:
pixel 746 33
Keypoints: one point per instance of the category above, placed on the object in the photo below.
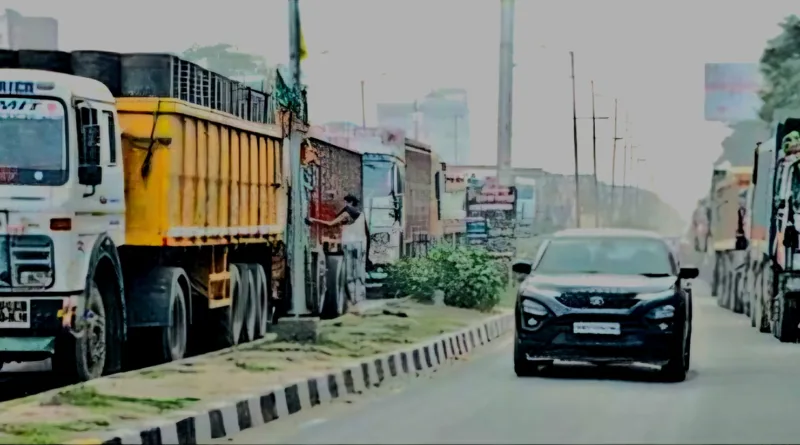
pixel 649 54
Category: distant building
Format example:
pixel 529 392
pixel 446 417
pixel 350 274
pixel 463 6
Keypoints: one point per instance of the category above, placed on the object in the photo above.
pixel 20 32
pixel 440 119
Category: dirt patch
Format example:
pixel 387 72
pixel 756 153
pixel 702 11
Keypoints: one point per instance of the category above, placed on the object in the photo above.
pixel 68 413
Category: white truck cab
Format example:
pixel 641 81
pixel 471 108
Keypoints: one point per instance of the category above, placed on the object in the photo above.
pixel 61 193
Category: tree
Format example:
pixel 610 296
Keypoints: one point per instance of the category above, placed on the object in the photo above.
pixel 223 59
pixel 780 66
pixel 738 147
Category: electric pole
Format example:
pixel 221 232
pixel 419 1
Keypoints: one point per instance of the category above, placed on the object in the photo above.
pixel 594 162
pixel 614 165
pixel 296 236
pixel 504 114
pixel 575 143
pixel 363 108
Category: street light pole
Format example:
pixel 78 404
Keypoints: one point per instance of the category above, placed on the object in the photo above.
pixel 614 165
pixel 363 108
pixel 594 162
pixel 575 143
pixel 506 90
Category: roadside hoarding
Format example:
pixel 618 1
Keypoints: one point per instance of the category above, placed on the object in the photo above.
pixel 731 92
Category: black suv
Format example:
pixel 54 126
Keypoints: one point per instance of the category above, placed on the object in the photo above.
pixel 603 296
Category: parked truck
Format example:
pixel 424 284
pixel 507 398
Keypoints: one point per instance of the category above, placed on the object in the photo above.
pixel 143 210
pixel 773 252
pixel 728 232
pixel 337 255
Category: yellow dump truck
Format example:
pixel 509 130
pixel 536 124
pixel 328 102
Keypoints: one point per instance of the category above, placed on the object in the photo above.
pixel 142 210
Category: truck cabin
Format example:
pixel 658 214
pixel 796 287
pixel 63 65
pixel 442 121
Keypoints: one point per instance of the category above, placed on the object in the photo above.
pixel 69 120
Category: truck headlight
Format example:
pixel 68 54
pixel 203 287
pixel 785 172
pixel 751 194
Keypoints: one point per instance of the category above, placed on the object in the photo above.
pixel 662 312
pixel 792 283
pixel 36 278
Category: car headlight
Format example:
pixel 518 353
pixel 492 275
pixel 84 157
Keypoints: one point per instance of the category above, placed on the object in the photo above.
pixel 662 312
pixel 534 308
pixel 656 295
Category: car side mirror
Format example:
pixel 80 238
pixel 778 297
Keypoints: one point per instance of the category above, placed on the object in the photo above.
pixel 521 269
pixel 688 273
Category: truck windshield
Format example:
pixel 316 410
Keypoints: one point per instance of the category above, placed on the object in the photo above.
pixel 32 141
pixel 377 178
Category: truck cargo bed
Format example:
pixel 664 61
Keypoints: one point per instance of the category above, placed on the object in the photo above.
pixel 213 178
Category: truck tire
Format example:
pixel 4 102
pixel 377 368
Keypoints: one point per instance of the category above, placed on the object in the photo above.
pixel 715 277
pixel 174 337
pixel 738 293
pixel 226 323
pixel 765 297
pixel 335 303
pixel 81 357
pixel 249 302
pixel 264 309
pixel 785 329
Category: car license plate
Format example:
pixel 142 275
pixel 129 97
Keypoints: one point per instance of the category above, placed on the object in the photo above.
pixel 15 313
pixel 596 328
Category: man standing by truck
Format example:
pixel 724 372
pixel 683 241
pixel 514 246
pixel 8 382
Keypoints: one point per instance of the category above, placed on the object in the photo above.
pixel 354 230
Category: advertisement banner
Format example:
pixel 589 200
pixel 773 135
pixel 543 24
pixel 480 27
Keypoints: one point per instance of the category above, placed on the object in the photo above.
pixel 731 92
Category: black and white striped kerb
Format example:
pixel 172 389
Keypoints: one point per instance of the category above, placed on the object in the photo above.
pixel 227 418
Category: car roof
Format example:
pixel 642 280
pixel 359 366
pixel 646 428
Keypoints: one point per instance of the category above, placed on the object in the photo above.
pixel 606 233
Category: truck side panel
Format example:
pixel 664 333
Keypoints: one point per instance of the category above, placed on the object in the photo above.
pixel 211 178
pixel 762 200
pixel 418 193
pixel 729 197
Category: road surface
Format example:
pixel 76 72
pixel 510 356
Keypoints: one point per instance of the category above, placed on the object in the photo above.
pixel 743 387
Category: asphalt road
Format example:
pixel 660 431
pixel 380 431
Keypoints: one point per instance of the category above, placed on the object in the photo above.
pixel 743 387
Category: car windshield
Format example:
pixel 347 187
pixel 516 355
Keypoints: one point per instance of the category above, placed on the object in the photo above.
pixel 606 255
pixel 32 142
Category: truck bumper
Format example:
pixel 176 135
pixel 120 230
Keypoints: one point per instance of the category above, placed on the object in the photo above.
pixel 30 335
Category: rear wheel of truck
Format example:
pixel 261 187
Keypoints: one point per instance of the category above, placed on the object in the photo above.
pixel 785 329
pixel 764 297
pixel 82 356
pixel 249 302
pixel 264 311
pixel 737 295
pixel 175 336
pixel 335 303
pixel 227 322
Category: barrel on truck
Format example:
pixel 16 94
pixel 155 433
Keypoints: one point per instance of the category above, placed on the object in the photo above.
pixel 161 210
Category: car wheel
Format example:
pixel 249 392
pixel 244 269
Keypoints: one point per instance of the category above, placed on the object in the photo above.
pixel 687 355
pixel 527 368
pixel 677 366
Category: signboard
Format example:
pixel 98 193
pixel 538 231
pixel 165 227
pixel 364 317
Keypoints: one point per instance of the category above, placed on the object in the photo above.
pixel 491 215
pixel 731 91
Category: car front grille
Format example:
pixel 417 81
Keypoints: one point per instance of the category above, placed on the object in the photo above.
pixel 594 300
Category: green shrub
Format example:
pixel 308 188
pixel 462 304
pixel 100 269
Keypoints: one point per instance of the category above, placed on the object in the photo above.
pixel 469 277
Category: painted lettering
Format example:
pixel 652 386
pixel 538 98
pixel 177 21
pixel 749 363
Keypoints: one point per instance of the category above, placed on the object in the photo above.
pixel 16 87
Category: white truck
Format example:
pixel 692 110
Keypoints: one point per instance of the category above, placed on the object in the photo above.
pixel 137 217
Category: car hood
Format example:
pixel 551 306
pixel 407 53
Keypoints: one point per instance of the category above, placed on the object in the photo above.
pixel 601 283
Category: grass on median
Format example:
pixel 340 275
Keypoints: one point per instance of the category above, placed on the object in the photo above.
pixel 59 416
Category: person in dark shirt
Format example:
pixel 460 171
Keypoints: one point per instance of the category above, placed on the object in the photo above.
pixel 348 215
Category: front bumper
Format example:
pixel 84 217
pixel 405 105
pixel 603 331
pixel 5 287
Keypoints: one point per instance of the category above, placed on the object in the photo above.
pixel 48 317
pixel 639 340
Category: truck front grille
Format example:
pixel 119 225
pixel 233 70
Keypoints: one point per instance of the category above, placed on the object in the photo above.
pixel 24 257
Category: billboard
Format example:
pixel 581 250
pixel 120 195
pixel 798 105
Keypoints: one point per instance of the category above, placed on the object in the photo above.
pixel 731 92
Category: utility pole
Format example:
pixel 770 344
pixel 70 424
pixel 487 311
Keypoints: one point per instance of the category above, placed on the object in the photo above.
pixel 614 165
pixel 363 108
pixel 575 143
pixel 625 160
pixel 594 162
pixel 296 237
pixel 455 138
pixel 506 90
